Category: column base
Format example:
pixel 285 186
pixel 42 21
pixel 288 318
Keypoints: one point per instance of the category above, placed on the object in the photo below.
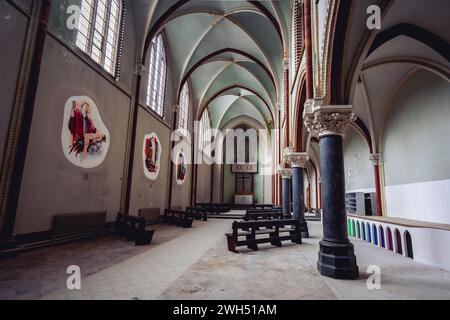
pixel 337 260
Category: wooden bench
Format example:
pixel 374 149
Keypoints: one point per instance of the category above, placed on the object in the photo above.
pixel 178 218
pixel 262 206
pixel 251 215
pixel 272 231
pixel 134 229
pixel 214 207
pixel 197 213
pixel 264 210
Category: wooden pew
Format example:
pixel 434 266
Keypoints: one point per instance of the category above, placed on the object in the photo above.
pixel 262 206
pixel 251 215
pixel 178 218
pixel 197 213
pixel 264 210
pixel 134 229
pixel 215 207
pixel 272 231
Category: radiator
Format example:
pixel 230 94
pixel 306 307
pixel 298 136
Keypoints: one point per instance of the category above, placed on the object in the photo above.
pixel 75 223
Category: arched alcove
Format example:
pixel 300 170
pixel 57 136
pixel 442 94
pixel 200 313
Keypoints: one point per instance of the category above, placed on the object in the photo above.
pixel 398 242
pixel 353 227
pixel 390 244
pixel 358 230
pixel 363 229
pixel 408 245
pixel 375 235
pixel 369 233
pixel 381 232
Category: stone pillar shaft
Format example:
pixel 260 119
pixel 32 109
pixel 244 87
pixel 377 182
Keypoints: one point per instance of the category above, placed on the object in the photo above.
pixel 333 188
pixel 298 193
pixel 286 174
pixel 336 256
pixel 298 161
pixel 287 197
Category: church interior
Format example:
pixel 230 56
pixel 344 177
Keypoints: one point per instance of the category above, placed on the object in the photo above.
pixel 224 150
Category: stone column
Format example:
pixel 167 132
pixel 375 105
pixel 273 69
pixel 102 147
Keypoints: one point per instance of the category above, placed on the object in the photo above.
pixel 298 161
pixel 285 174
pixel 336 256
pixel 376 159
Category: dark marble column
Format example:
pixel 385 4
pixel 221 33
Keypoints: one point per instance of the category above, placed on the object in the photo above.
pixel 286 194
pixel 298 162
pixel 336 256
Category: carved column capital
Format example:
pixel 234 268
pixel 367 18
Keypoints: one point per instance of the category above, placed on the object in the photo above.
pixel 297 159
pixel 285 173
pixel 376 158
pixel 327 120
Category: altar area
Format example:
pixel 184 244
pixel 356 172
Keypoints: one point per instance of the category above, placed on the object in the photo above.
pixel 243 199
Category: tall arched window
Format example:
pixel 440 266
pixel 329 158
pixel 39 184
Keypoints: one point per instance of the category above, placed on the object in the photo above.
pixel 183 115
pixel 157 70
pixel 98 31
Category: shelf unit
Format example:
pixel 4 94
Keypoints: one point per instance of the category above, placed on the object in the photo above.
pixel 355 203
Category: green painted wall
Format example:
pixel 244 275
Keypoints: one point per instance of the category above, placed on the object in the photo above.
pixel 228 185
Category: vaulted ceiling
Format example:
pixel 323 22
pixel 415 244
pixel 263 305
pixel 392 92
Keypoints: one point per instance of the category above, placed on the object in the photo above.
pixel 408 41
pixel 376 63
pixel 230 52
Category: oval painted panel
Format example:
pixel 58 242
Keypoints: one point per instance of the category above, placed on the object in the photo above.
pixel 181 168
pixel 151 156
pixel 85 138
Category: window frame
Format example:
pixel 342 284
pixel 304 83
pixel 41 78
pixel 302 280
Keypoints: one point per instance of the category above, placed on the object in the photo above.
pixel 184 107
pixel 205 124
pixel 91 31
pixel 157 76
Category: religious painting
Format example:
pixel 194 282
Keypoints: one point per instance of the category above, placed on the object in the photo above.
pixel 151 156
pixel 181 166
pixel 85 138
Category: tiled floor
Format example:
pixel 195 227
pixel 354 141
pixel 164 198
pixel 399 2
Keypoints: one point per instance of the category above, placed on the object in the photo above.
pixel 195 264
pixel 38 273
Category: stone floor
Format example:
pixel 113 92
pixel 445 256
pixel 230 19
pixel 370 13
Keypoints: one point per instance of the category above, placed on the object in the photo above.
pixel 195 264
